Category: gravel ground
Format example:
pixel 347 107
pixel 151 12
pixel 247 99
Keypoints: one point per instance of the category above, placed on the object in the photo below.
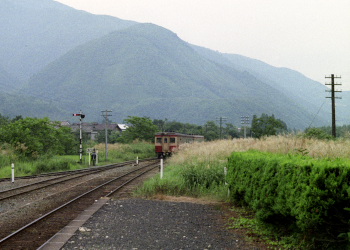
pixel 152 224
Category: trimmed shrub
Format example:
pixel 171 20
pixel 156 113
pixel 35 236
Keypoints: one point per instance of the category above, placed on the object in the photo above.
pixel 310 195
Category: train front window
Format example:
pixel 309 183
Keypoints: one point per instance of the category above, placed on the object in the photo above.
pixel 165 140
pixel 172 140
pixel 159 140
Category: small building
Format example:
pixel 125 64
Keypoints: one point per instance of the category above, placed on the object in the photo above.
pixel 92 129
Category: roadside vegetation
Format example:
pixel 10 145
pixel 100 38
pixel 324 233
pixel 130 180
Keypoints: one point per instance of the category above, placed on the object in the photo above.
pixel 38 146
pixel 198 171
pixel 45 164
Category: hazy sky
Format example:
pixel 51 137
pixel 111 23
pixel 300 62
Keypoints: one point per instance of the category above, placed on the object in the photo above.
pixel 310 36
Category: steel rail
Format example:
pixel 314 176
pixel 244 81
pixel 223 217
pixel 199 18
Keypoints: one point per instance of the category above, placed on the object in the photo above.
pixel 67 203
pixel 69 171
pixel 130 180
pixel 78 175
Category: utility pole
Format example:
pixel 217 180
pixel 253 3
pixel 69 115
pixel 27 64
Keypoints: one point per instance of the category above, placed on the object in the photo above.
pixel 333 97
pixel 105 114
pixel 245 121
pixel 221 120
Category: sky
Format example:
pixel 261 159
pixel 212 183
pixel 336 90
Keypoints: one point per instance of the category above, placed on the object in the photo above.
pixel 309 36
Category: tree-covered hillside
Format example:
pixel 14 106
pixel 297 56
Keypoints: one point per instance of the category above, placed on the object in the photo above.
pixel 36 32
pixel 65 60
pixel 8 83
pixel 146 70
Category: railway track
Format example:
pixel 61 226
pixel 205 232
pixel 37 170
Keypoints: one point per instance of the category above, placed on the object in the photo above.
pixel 57 178
pixel 44 223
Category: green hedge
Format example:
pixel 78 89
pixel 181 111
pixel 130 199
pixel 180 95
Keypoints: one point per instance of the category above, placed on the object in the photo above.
pixel 309 195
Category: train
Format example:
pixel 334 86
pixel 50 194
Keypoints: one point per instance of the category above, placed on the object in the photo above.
pixel 167 143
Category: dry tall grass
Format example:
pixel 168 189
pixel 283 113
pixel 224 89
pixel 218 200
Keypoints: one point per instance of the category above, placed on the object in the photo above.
pixel 220 150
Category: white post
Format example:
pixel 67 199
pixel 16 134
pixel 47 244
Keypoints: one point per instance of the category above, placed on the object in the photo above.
pixel 228 189
pixel 89 155
pixel 13 172
pixel 225 173
pixel 96 156
pixel 161 168
pixel 137 160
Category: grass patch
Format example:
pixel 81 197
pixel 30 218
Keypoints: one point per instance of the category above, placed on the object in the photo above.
pixel 197 171
pixel 187 180
pixel 245 222
pixel 45 164
pixel 125 152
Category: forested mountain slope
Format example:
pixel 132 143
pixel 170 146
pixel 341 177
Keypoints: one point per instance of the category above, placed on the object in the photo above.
pixel 36 32
pixel 55 61
pixel 147 70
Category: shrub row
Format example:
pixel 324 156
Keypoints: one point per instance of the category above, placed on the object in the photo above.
pixel 311 196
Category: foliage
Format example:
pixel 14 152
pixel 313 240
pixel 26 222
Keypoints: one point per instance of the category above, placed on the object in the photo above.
pixel 25 167
pixel 53 165
pixel 317 133
pixel 267 125
pixel 113 136
pixel 32 137
pixel 44 164
pixel 139 128
pixel 203 181
pixel 121 152
pixel 215 154
pixel 4 120
pixel 198 175
pixel 310 196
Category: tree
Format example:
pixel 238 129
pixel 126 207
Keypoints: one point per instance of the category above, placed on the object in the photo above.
pixel 32 137
pixel 139 128
pixel 230 131
pixel 113 136
pixel 267 125
pixel 4 120
pixel 160 124
pixel 211 131
pixel 317 133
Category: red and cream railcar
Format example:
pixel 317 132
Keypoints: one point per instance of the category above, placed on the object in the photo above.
pixel 167 143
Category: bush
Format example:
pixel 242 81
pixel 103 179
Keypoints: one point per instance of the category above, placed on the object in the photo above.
pixel 317 133
pixel 310 195
pixel 201 176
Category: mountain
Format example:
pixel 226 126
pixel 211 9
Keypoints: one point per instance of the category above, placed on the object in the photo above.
pixel 146 70
pixel 12 105
pixel 36 32
pixel 8 83
pixel 55 61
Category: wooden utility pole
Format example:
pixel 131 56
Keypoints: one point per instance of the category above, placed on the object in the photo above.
pixel 333 97
pixel 105 114
pixel 221 120
pixel 245 121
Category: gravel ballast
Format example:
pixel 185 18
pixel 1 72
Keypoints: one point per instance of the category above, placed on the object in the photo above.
pixel 153 224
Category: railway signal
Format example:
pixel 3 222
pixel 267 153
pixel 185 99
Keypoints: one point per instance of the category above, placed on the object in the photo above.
pixel 82 116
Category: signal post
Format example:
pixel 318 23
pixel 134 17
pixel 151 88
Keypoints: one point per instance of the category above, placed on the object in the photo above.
pixel 81 116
